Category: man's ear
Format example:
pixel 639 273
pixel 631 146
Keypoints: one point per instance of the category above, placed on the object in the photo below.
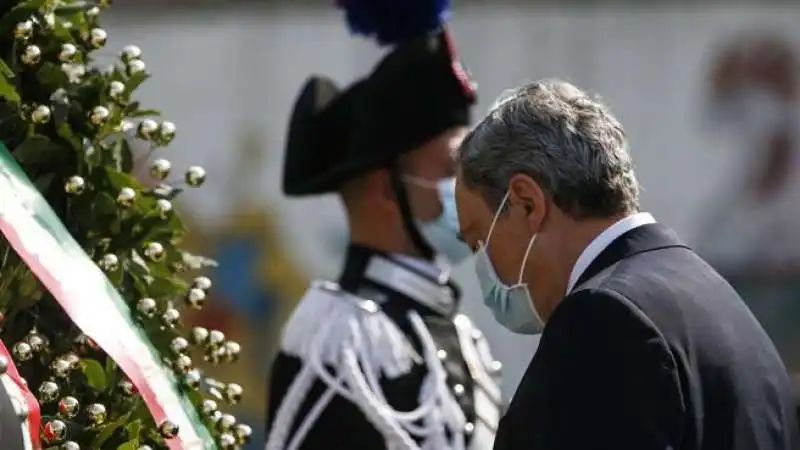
pixel 525 192
pixel 528 208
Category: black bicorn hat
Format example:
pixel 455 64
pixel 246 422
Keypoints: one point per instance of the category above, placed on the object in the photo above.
pixel 415 93
pixel 318 136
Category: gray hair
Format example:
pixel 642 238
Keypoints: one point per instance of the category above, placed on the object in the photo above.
pixel 566 141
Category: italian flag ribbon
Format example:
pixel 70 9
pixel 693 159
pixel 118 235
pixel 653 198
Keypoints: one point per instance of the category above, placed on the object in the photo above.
pixel 22 398
pixel 91 301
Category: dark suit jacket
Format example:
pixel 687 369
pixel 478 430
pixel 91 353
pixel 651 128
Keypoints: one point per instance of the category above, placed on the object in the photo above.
pixel 652 350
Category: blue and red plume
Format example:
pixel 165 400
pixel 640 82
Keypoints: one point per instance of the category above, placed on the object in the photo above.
pixel 393 21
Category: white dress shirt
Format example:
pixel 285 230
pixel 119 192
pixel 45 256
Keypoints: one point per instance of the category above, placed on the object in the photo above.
pixel 602 241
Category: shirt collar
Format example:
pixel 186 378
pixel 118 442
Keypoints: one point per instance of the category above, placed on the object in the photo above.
pixel 603 240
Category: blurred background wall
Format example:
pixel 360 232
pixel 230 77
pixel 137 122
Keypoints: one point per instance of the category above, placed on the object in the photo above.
pixel 227 74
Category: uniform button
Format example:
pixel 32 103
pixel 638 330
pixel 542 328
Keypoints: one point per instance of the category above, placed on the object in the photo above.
pixel 441 354
pixel 459 389
pixel 469 427
pixel 477 334
pixel 496 367
pixel 369 306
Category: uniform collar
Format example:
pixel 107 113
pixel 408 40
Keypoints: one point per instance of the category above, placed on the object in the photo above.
pixel 419 284
pixel 602 241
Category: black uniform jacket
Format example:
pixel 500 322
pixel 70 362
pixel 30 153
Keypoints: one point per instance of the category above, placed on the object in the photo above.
pixel 652 350
pixel 342 425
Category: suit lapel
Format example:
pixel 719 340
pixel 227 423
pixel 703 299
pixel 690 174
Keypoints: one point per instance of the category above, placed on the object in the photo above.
pixel 639 240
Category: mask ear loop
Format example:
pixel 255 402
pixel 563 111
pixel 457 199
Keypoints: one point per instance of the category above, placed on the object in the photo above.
pixel 525 258
pixel 494 220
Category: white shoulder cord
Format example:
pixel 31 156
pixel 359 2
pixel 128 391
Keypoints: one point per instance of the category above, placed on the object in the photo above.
pixel 434 398
pixel 359 393
pixel 290 405
pixel 375 410
pixel 364 390
pixel 288 409
pixel 396 437
pixel 436 401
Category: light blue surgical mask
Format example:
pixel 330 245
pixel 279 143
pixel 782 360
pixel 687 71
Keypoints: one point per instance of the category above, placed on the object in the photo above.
pixel 511 306
pixel 442 233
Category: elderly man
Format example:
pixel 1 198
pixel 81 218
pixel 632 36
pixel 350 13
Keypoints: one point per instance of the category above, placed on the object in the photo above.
pixel 644 346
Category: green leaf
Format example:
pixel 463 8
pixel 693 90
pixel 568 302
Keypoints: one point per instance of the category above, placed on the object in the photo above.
pixel 176 222
pixel 5 70
pixel 65 132
pixel 134 82
pixel 19 13
pixel 28 286
pixel 72 8
pixel 138 273
pixel 140 412
pixel 104 206
pixel 195 397
pixel 155 229
pixel 108 430
pixel 5 299
pixel 145 113
pixel 43 182
pixel 52 74
pixel 110 369
pixel 125 155
pixel 131 107
pixel 130 445
pixel 95 374
pixel 8 90
pixel 133 429
pixel 35 150
pixel 136 266
pixel 167 287
pixel 120 180
pixel 59 27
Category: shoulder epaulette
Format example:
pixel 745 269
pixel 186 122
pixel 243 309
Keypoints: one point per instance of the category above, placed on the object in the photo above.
pixel 328 310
